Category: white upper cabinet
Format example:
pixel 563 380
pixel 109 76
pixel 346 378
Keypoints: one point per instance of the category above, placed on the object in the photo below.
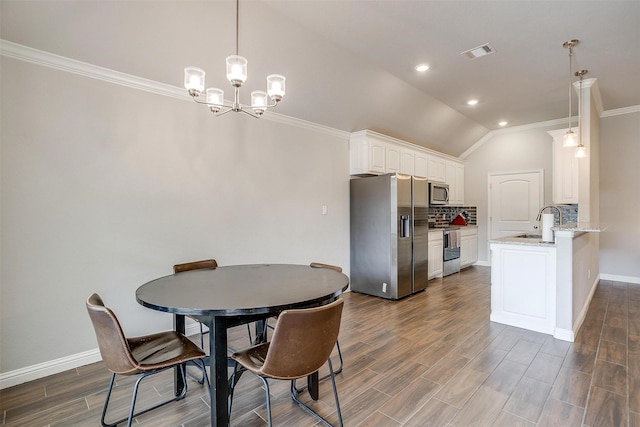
pixel 565 170
pixel 421 165
pixel 454 176
pixel 367 154
pixel 437 168
pixel 393 158
pixel 375 154
pixel 407 161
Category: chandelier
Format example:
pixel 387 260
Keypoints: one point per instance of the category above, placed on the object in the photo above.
pixel 237 75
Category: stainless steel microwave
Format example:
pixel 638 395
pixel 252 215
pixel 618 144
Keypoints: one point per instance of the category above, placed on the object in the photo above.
pixel 438 194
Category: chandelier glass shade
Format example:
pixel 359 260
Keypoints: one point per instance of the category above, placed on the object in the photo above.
pixel 194 82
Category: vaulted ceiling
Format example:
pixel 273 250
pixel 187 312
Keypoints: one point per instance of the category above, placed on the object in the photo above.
pixel 350 63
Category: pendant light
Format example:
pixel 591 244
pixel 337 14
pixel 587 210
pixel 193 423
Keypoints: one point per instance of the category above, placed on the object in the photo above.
pixel 570 139
pixel 581 150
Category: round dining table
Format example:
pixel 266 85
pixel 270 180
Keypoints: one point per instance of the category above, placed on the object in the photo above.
pixel 233 295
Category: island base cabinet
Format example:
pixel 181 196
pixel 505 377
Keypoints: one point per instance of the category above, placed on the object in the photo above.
pixel 523 286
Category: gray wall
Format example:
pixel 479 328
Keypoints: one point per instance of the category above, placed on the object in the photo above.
pixel 619 176
pixel 504 152
pixel 620 195
pixel 106 187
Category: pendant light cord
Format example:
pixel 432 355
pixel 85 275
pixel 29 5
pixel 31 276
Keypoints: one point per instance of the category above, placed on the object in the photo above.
pixel 237 22
pixel 570 83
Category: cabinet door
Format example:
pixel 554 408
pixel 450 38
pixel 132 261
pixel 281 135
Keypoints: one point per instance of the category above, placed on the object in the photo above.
pixel 421 165
pixel 436 169
pixel 377 155
pixel 468 251
pixel 460 185
pixel 436 249
pixel 450 179
pixel 468 247
pixel 565 174
pixel 393 158
pixel 407 160
pixel 454 176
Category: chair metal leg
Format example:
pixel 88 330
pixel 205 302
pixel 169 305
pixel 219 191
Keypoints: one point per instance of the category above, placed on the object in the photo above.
pixel 235 377
pixel 294 397
pixel 339 370
pixel 132 415
pixel 268 398
pixel 201 367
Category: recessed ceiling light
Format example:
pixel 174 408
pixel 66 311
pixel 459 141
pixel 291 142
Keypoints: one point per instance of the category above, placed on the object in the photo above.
pixel 503 123
pixel 472 102
pixel 422 68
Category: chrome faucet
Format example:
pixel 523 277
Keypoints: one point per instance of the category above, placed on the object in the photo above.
pixel 551 207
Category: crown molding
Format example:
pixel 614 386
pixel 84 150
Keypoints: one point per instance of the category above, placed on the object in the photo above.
pixel 621 111
pixel 58 62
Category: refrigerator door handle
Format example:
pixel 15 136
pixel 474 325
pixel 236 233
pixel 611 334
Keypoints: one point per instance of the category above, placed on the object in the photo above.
pixel 404 226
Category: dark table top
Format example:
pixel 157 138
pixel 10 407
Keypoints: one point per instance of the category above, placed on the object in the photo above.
pixel 241 289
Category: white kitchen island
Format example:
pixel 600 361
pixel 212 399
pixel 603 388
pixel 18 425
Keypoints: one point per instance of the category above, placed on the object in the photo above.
pixel 541 286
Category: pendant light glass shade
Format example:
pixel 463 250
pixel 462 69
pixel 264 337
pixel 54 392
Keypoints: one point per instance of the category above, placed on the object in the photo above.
pixel 259 101
pixel 194 80
pixel 570 139
pixel 581 152
pixel 236 70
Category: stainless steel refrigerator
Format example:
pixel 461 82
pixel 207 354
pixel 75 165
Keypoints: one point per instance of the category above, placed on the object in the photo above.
pixel 389 235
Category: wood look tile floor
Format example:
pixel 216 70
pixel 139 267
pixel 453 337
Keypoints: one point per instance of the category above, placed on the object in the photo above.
pixel 433 359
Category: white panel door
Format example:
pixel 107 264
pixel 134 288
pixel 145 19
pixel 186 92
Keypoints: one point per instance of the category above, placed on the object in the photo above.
pixel 514 202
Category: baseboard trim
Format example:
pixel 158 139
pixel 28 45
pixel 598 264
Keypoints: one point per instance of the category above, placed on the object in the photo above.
pixel 564 334
pixel 583 313
pixel 618 278
pixel 41 370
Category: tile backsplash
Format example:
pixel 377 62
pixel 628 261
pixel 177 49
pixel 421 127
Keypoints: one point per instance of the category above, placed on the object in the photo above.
pixel 441 216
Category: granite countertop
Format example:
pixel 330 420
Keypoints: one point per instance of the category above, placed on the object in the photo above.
pixel 512 240
pixel 587 227
pixel 580 227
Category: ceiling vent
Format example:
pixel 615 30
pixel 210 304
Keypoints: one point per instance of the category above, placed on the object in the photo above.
pixel 479 51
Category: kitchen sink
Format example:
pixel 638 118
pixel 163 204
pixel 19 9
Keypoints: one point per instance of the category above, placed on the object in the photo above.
pixel 529 236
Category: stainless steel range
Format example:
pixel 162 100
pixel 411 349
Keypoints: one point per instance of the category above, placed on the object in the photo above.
pixel 451 251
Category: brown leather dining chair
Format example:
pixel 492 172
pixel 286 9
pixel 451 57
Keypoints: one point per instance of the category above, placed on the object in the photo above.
pixel 197 265
pixel 339 270
pixel 301 344
pixel 202 265
pixel 142 356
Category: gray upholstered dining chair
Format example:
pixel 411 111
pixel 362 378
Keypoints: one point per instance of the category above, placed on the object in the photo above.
pixel 142 356
pixel 301 344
